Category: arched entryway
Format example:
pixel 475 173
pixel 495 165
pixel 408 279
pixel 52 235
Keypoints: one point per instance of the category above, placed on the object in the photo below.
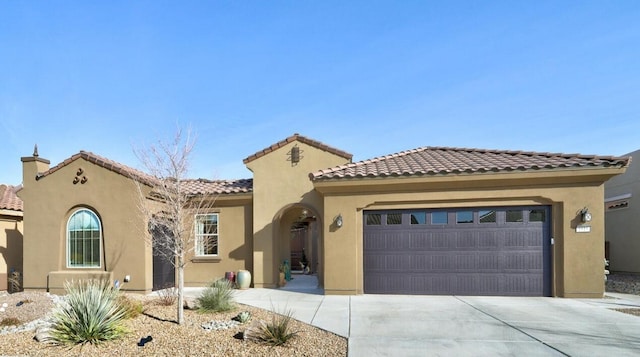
pixel 298 240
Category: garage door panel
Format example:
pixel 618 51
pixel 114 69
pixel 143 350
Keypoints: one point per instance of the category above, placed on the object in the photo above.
pixel 489 262
pixel 466 262
pixel 466 240
pixel 440 240
pixel 374 241
pixel 454 284
pixel 495 258
pixel 419 240
pixel 489 240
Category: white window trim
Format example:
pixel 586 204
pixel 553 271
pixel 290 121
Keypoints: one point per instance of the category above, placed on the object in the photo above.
pixel 69 266
pixel 199 248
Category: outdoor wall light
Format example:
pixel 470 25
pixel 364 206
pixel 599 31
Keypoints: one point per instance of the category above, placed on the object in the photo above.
pixel 338 221
pixel 585 215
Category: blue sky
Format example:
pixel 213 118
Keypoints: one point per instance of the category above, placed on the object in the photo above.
pixel 368 77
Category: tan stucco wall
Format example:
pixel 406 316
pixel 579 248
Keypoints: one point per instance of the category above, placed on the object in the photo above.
pixel 48 204
pixel 623 225
pixel 235 249
pixel 577 257
pixel 10 245
pixel 279 185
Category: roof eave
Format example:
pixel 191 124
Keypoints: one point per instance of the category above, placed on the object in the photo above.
pixel 302 139
pixel 10 212
pixel 581 174
pixel 98 161
pixel 235 196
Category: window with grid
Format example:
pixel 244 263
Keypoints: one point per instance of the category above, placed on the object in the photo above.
pixel 84 234
pixel 207 234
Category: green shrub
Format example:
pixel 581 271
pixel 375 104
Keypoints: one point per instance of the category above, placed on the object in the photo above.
pixel 218 296
pixel 274 333
pixel 90 314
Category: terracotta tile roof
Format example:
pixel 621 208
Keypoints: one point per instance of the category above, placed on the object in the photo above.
pixel 106 163
pixel 202 186
pixel 8 198
pixel 195 186
pixel 302 139
pixel 442 160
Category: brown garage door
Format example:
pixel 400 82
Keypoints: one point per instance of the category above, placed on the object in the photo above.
pixel 479 251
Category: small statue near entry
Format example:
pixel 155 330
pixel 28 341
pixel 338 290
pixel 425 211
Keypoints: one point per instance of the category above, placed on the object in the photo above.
pixel 304 264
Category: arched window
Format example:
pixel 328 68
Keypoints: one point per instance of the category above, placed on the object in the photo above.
pixel 83 239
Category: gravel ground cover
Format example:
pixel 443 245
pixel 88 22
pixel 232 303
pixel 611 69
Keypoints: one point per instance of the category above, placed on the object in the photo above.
pixel 168 338
pixel 30 310
pixel 626 283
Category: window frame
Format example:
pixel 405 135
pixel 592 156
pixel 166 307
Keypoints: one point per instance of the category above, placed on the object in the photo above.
pixel 439 212
pixel 522 216
pixel 69 265
pixel 367 222
pixel 460 219
pixel 421 218
pixel 199 248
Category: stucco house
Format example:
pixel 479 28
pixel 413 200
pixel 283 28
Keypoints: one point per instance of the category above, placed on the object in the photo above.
pixel 10 236
pixel 622 232
pixel 432 220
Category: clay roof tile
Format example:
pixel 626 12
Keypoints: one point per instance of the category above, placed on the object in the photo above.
pixel 194 186
pixel 302 139
pixel 443 160
pixel 9 200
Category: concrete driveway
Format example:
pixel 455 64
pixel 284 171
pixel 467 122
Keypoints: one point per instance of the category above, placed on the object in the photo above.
pixel 401 325
pixel 490 326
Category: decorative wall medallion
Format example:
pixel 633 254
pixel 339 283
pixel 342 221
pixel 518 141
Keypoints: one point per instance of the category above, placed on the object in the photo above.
pixel 82 179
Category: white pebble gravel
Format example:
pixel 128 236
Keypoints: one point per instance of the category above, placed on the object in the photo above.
pixel 219 325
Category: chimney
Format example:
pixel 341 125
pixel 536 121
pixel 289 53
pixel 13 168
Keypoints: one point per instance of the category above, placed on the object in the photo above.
pixel 32 167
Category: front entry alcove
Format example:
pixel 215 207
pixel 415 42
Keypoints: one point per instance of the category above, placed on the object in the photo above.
pixel 298 233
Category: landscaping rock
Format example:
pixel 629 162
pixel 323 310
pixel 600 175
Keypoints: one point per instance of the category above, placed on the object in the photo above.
pixel 219 325
pixel 191 303
pixel 626 283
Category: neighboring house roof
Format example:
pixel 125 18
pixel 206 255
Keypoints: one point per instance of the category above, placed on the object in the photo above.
pixel 8 198
pixel 202 186
pixel 443 160
pixel 107 164
pixel 302 139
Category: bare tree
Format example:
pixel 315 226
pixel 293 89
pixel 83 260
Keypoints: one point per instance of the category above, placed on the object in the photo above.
pixel 170 205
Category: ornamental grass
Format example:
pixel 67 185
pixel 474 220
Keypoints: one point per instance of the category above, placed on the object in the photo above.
pixel 217 297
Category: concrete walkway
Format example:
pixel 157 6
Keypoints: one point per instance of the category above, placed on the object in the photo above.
pixel 407 325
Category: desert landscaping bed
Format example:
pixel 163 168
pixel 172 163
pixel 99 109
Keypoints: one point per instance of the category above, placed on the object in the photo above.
pixel 168 338
pixel 626 283
pixel 30 309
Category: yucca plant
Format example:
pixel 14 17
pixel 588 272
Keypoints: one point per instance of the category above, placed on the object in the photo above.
pixel 274 333
pixel 90 314
pixel 218 296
